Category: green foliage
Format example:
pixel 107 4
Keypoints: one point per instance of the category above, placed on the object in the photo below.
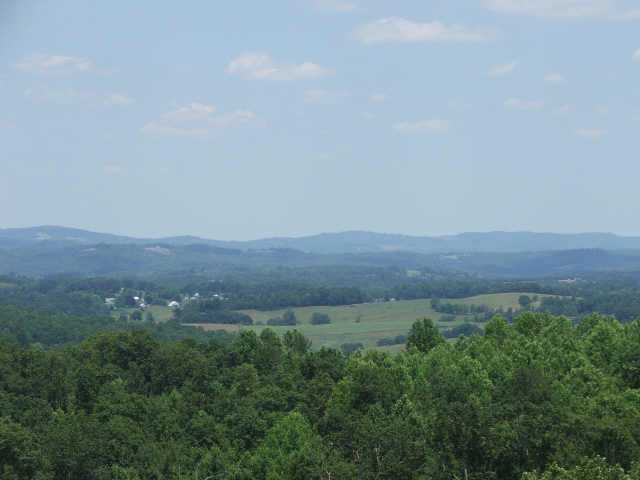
pixel 292 450
pixel 525 301
pixel 288 319
pixel 20 455
pixel 424 336
pixel 466 329
pixel 320 319
pixel 297 343
pixel 592 469
pixel 210 311
pixel 537 400
pixel 350 348
pixel 397 340
pixel 38 328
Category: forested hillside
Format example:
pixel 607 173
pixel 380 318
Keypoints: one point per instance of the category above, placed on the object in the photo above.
pixel 341 242
pixel 539 399
pixel 45 251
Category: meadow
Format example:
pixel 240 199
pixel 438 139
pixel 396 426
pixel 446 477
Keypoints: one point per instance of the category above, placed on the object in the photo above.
pixel 368 323
pixel 363 323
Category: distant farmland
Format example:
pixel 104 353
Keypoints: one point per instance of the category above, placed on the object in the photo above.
pixel 368 323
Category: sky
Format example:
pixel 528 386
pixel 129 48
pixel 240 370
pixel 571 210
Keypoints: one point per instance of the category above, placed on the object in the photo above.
pixel 250 119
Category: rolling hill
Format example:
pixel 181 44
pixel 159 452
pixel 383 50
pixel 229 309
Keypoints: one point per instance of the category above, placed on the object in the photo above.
pixel 340 243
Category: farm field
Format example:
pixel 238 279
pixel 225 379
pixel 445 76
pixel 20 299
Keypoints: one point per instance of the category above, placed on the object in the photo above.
pixel 497 300
pixel 368 323
pixel 160 313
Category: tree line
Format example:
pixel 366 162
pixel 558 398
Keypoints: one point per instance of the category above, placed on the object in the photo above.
pixel 539 399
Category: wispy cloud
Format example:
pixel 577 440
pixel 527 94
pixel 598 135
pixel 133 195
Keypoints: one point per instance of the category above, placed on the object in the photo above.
pixel 502 70
pixel 402 30
pixel 337 6
pixel 636 56
pixel 260 66
pixel 432 126
pixel 555 78
pixel 597 9
pixel 525 105
pixel 117 100
pixel 197 120
pixel 72 96
pixel 591 133
pixel 378 98
pixel 41 63
pixel 627 15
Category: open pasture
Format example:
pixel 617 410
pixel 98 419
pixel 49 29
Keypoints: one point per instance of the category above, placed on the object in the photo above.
pixel 368 323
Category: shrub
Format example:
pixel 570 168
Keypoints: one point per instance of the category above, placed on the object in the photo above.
pixel 320 319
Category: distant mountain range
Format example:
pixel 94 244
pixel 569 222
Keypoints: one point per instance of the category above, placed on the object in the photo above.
pixel 52 250
pixel 339 243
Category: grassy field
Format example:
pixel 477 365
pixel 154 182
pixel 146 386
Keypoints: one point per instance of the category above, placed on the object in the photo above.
pixel 368 323
pixel 497 300
pixel 6 285
pixel 160 313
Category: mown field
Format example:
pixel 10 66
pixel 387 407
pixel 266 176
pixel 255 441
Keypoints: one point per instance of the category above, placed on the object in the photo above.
pixel 369 323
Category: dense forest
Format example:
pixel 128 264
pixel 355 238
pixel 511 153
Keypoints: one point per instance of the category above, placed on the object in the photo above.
pixel 39 329
pixel 538 399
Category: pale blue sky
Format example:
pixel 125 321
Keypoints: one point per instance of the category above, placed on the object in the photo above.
pixel 247 119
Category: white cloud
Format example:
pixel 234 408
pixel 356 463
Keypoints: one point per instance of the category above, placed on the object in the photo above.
pixel 378 98
pixel 260 66
pixel 339 6
pixel 401 30
pixel 526 105
pixel 628 15
pixel 591 133
pixel 324 96
pixel 636 56
pixel 432 126
pixel 197 120
pixel 117 100
pixel 503 70
pixel 40 63
pixel 602 9
pixel 71 96
pixel 555 78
